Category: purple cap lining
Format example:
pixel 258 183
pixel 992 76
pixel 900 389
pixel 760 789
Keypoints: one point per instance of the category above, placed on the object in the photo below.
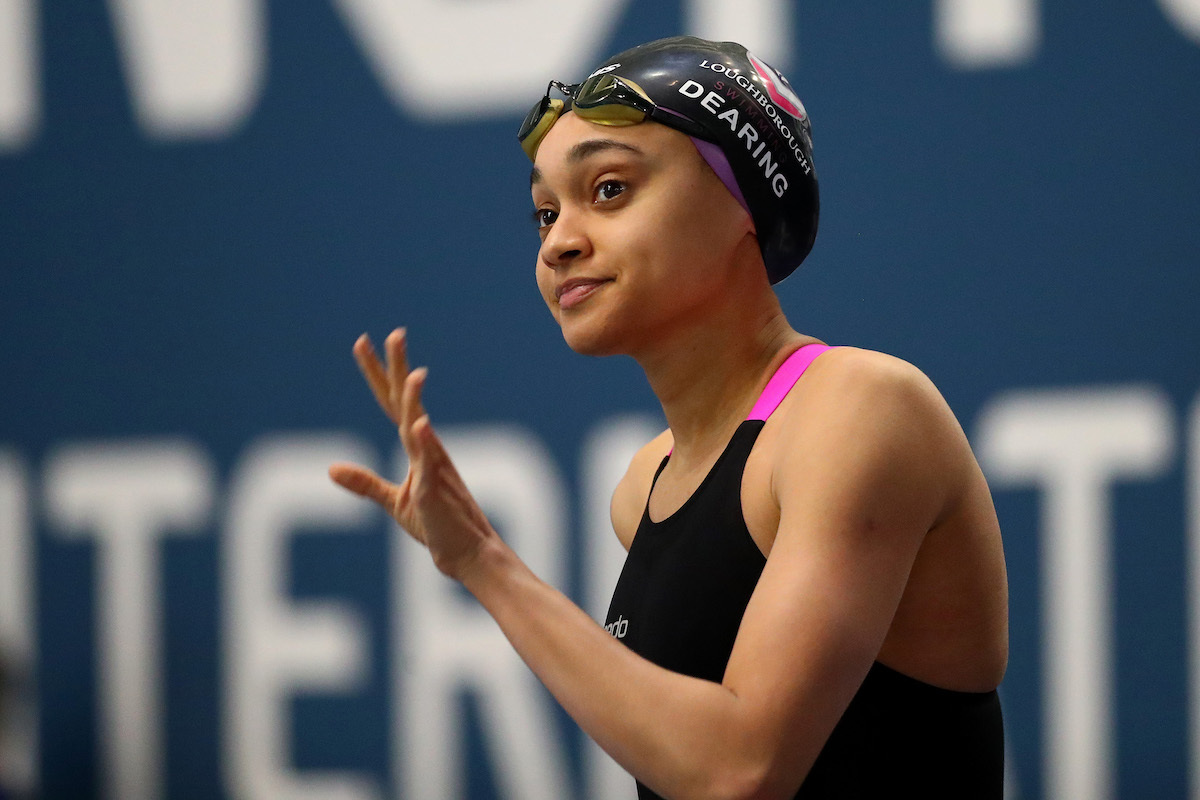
pixel 716 159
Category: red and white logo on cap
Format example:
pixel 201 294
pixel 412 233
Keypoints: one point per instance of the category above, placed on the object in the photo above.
pixel 777 87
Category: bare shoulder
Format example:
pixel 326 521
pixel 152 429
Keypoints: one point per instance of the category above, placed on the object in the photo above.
pixel 853 370
pixel 849 383
pixel 629 498
pixel 865 410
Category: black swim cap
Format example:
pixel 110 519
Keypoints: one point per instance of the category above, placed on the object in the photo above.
pixel 759 124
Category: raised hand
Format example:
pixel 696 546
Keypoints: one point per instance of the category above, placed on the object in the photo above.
pixel 432 504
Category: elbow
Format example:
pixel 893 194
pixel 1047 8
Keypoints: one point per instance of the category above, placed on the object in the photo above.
pixel 761 787
pixel 745 761
pixel 749 787
pixel 749 780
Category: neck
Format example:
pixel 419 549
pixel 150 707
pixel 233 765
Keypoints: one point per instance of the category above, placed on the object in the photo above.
pixel 708 376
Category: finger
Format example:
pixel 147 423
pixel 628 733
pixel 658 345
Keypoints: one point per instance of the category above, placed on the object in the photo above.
pixel 410 402
pixel 364 482
pixel 375 375
pixel 438 463
pixel 397 368
pixel 423 435
pixel 430 464
pixel 410 411
pixel 396 347
pixel 434 458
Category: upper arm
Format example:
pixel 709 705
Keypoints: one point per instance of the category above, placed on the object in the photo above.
pixel 860 475
pixel 629 497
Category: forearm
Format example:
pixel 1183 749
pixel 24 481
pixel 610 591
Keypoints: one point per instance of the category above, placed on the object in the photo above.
pixel 682 736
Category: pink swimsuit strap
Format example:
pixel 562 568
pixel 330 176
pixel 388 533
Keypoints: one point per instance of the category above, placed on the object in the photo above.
pixel 784 379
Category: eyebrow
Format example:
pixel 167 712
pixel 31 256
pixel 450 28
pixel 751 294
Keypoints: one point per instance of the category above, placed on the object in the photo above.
pixel 586 149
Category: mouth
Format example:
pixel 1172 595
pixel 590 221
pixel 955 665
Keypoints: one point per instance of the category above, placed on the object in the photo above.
pixel 574 291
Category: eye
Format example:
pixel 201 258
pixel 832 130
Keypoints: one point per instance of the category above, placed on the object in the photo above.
pixel 543 217
pixel 609 190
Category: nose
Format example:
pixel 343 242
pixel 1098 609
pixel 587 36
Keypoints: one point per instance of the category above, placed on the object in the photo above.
pixel 566 242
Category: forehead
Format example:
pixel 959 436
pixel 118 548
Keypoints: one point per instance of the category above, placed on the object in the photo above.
pixel 573 141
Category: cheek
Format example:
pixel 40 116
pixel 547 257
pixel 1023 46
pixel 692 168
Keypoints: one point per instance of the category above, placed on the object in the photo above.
pixel 686 238
pixel 694 222
pixel 708 234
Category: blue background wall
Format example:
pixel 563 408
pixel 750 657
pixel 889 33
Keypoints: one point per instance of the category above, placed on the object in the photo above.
pixel 1009 227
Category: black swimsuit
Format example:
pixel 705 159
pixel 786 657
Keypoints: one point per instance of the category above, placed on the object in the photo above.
pixel 679 603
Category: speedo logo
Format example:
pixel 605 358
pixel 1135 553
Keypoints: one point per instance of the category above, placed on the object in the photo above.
pixel 618 628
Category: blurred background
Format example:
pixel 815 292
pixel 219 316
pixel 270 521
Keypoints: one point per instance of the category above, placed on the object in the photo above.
pixel 204 202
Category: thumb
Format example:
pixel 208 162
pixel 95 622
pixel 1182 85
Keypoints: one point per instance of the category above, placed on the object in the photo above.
pixel 362 482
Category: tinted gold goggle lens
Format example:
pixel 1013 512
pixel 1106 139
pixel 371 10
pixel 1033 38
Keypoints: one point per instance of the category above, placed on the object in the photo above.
pixel 602 99
pixel 539 122
pixel 602 90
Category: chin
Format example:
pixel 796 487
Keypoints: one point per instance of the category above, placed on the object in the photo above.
pixel 588 340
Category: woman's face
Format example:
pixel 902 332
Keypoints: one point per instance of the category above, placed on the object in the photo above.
pixel 638 235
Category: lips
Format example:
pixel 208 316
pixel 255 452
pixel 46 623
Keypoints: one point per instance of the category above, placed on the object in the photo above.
pixel 572 292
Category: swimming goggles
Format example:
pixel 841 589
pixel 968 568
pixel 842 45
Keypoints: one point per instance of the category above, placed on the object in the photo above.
pixel 604 99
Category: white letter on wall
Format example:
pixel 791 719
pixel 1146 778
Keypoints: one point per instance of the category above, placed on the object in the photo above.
pixel 606 455
pixel 1185 14
pixel 975 34
pixel 18 73
pixel 765 27
pixel 18 635
pixel 194 67
pixel 1073 445
pixel 451 59
pixel 127 496
pixel 447 644
pixel 273 646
